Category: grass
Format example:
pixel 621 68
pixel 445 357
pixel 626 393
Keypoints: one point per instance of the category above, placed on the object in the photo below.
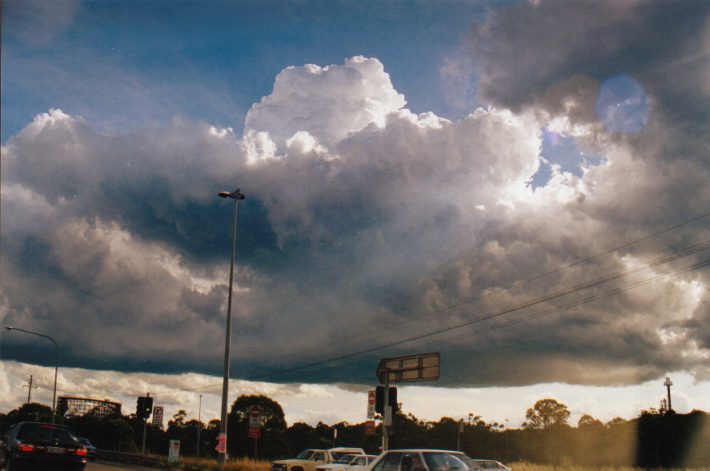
pixel 247 464
pixel 523 466
pixel 240 464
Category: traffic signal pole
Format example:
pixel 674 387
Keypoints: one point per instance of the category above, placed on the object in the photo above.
pixel 144 417
pixel 144 430
pixel 386 422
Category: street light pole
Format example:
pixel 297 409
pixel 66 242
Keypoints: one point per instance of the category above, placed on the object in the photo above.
pixel 56 366
pixel 199 427
pixel 236 195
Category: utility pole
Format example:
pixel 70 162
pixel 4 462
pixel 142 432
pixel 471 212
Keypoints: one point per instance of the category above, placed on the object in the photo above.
pixel 145 426
pixel 199 427
pixel 29 390
pixel 458 436
pixel 668 383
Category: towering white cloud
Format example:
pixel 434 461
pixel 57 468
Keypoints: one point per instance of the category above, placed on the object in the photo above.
pixel 327 102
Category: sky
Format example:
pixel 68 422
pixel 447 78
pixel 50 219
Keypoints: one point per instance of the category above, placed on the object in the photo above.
pixel 520 186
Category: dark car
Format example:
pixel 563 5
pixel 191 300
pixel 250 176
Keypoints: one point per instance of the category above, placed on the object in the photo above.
pixel 35 445
pixel 90 448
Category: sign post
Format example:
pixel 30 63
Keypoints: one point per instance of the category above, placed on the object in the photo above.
pixel 255 425
pixel 405 369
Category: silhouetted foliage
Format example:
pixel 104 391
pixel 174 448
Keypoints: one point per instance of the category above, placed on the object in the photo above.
pixel 653 440
pixel 545 414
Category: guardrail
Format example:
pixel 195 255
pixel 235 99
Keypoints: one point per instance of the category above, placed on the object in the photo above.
pixel 130 458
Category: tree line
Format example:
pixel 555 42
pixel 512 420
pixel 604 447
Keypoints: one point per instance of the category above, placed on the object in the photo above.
pixel 651 440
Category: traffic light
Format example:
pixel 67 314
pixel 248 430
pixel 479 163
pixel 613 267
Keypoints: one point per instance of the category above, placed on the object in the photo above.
pixel 140 407
pixel 380 399
pixel 144 407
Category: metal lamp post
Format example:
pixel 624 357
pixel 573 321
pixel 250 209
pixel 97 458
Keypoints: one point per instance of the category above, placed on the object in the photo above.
pixel 56 366
pixel 236 195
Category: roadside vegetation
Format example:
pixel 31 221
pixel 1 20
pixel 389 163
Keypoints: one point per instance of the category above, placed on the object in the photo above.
pixel 546 442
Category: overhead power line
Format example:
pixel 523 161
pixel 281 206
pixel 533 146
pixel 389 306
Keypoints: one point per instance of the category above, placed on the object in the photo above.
pixel 662 259
pixel 428 315
pixel 470 322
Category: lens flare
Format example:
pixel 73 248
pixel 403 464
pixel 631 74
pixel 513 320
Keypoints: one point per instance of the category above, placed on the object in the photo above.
pixel 622 105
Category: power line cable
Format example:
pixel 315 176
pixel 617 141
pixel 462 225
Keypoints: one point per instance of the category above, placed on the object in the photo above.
pixel 352 337
pixel 665 258
pixel 469 322
pixel 572 304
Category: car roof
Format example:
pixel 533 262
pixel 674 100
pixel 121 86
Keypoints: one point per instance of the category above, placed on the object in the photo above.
pixel 428 450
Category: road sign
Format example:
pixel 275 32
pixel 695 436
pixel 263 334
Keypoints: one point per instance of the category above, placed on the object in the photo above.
pixel 255 411
pixel 255 416
pixel 158 416
pixel 370 404
pixel 221 443
pixel 174 451
pixel 409 369
pixel 254 432
pixel 370 427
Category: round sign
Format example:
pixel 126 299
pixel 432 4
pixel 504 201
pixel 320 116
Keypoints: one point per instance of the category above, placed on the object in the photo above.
pixel 255 411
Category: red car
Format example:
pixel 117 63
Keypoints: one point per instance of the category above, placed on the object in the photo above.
pixel 35 445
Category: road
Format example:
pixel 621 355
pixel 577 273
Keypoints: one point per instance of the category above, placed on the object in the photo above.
pixel 105 466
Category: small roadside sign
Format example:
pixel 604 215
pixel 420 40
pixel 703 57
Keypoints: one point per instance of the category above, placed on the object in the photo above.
pixel 254 417
pixel 221 443
pixel 370 427
pixel 158 416
pixel 254 432
pixel 370 404
pixel 174 451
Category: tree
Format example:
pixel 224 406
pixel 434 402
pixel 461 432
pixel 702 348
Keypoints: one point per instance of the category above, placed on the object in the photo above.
pixel 273 426
pixel 587 421
pixel 545 414
pixel 33 412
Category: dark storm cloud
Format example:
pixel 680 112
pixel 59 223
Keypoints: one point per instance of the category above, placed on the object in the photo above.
pixel 528 49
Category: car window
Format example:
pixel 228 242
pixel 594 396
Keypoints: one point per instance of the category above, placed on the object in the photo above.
pixel 45 432
pixel 412 462
pixel 443 461
pixel 389 462
pixel 318 456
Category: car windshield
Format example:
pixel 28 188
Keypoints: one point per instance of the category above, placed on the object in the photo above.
pixel 45 432
pixel 85 441
pixel 445 461
pixel 344 459
pixel 305 455
pixel 488 464
pixel 338 455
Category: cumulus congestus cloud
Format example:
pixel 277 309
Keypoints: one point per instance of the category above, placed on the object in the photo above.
pixel 365 225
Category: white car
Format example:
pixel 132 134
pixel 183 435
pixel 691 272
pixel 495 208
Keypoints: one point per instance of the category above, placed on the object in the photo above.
pixel 490 464
pixel 431 460
pixel 307 460
pixel 362 463
pixel 350 462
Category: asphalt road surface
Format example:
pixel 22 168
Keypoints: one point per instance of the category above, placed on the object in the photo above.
pixel 104 466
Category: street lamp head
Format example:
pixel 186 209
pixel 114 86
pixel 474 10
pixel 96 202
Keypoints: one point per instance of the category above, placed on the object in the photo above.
pixel 10 328
pixel 235 195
